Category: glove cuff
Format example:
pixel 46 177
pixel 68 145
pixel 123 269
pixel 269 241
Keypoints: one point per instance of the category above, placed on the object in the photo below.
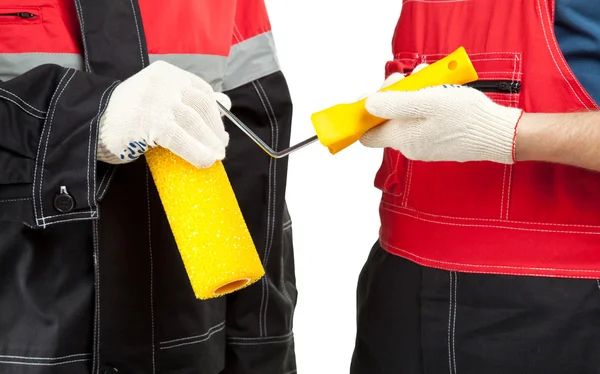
pixel 494 134
pixel 104 153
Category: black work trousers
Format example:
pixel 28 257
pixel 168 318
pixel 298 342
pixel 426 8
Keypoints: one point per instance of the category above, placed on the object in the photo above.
pixel 418 320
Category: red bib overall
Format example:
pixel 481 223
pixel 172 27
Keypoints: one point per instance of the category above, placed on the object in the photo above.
pixel 530 218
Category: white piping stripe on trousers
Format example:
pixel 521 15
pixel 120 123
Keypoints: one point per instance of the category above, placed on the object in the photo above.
pixel 248 60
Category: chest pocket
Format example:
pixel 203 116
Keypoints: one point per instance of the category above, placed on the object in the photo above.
pixel 466 190
pixel 36 32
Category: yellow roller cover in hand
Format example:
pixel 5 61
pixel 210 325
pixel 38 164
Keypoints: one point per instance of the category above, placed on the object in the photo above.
pixel 207 223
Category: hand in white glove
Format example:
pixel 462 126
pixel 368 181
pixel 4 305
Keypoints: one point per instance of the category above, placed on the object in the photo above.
pixel 443 123
pixel 164 106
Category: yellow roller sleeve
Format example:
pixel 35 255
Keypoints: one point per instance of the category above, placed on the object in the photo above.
pixel 341 125
pixel 209 229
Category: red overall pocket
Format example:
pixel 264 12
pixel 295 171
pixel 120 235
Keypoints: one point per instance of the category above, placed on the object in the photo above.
pixel 465 190
pixel 37 32
pixel 38 26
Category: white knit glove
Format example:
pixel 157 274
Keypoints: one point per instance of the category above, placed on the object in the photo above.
pixel 164 106
pixel 442 123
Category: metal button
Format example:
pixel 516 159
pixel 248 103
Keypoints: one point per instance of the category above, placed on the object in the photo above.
pixel 64 202
pixel 110 371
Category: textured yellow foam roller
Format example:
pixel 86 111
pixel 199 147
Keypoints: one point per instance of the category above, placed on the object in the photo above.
pixel 207 223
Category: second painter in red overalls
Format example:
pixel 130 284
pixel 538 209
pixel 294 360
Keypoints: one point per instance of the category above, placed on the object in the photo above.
pixel 485 267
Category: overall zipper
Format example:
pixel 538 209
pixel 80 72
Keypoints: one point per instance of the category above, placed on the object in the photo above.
pixel 502 86
pixel 23 15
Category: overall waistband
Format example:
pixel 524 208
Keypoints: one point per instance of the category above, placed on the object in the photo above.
pixel 490 246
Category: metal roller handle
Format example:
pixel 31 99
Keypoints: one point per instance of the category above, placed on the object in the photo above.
pixel 270 151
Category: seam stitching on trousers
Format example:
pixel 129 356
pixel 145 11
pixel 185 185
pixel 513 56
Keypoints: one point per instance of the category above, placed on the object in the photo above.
pixel 264 282
pixel 206 337
pixel 254 343
pixel 237 35
pixel 271 203
pixel 454 321
pixel 208 332
pixel 31 358
pixel 151 272
pixel 44 363
pixel 275 142
pixel 96 358
pixel 449 323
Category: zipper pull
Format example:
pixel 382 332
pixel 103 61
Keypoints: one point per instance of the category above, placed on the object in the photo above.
pixel 510 86
pixel 26 15
pixel 496 86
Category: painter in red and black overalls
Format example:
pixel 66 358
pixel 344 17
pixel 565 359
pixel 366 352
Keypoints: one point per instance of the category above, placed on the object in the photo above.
pixel 487 261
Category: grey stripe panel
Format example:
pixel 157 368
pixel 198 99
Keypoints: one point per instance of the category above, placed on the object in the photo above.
pixel 211 68
pixel 13 64
pixel 251 59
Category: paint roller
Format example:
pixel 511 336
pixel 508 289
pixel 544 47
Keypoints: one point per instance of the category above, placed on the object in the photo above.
pixel 207 224
pixel 341 125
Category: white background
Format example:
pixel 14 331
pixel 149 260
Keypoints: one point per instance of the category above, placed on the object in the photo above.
pixel 331 51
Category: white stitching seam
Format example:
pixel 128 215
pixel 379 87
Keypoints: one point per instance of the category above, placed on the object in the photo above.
pixel 454 321
pixel 20 106
pixel 84 218
pixel 96 362
pixel 14 200
pixel 44 363
pixel 490 219
pixel 47 220
pixel 102 180
pixel 478 267
pixel 274 341
pixel 93 153
pixel 52 102
pixel 516 96
pixel 46 358
pixel 112 174
pixel 486 226
pixel 265 286
pixel 82 26
pixel 449 324
pixel 264 299
pixel 275 141
pixel 46 146
pixel 506 192
pixel 211 329
pixel 408 181
pixel 151 271
pixel 23 101
pixel 286 336
pixel 137 28
pixel 95 158
pixel 204 338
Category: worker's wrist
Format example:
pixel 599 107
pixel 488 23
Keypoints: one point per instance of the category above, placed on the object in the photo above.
pixel 532 141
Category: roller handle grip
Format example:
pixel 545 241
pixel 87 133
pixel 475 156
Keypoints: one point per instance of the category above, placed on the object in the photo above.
pixel 342 125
